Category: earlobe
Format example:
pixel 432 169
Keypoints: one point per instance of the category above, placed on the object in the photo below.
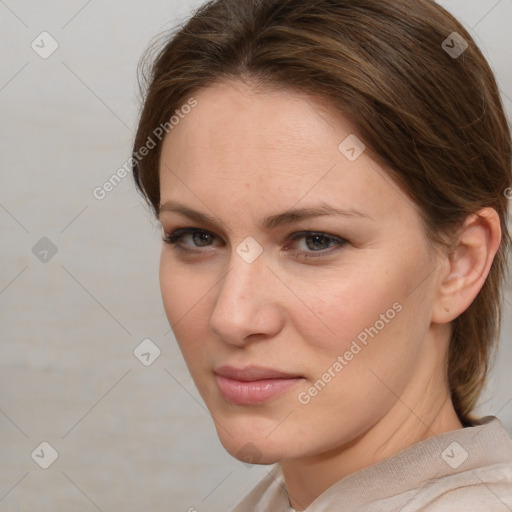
pixel 467 265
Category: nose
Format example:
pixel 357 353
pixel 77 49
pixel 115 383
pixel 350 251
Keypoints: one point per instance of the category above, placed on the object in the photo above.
pixel 247 306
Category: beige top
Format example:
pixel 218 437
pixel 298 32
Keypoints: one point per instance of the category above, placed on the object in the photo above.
pixel 466 470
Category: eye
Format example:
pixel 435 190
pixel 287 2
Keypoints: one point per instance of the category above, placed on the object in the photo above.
pixel 317 244
pixel 314 245
pixel 199 238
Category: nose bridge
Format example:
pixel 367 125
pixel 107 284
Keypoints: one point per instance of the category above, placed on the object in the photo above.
pixel 242 294
pixel 240 286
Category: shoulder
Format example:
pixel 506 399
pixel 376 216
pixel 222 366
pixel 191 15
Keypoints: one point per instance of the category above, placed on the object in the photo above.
pixel 481 478
pixel 488 488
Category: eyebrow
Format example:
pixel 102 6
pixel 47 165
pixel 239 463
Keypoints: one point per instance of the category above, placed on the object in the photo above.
pixel 271 222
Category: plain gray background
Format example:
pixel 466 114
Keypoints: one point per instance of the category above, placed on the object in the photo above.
pixel 129 437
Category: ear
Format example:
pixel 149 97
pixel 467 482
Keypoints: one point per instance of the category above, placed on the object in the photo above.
pixel 466 265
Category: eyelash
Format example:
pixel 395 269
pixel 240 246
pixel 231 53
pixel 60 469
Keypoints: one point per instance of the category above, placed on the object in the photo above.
pixel 176 236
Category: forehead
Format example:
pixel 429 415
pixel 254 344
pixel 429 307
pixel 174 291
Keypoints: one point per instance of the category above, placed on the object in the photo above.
pixel 233 117
pixel 278 145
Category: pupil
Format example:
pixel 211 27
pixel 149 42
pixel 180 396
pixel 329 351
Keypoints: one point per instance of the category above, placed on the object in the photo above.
pixel 201 237
pixel 317 240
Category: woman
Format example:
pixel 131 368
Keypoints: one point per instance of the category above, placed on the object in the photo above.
pixel 331 180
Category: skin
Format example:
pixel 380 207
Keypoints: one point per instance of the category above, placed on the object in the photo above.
pixel 242 155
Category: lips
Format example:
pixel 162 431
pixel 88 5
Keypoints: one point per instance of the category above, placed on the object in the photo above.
pixel 254 384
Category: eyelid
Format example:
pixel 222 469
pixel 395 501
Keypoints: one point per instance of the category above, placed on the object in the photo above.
pixel 177 234
pixel 306 233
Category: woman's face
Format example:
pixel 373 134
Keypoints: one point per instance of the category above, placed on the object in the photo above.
pixel 301 331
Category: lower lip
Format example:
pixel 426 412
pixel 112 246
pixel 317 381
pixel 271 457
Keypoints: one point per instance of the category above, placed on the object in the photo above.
pixel 240 392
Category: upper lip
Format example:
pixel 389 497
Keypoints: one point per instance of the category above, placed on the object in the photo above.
pixel 251 373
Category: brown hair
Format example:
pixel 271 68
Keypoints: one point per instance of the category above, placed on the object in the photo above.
pixel 433 119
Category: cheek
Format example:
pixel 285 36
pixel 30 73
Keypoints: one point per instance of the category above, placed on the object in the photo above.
pixel 379 331
pixel 345 390
pixel 185 298
pixel 369 318
pixel 342 308
pixel 182 289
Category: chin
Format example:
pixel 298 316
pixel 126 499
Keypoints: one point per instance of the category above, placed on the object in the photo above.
pixel 251 452
pixel 254 434
pixel 253 442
